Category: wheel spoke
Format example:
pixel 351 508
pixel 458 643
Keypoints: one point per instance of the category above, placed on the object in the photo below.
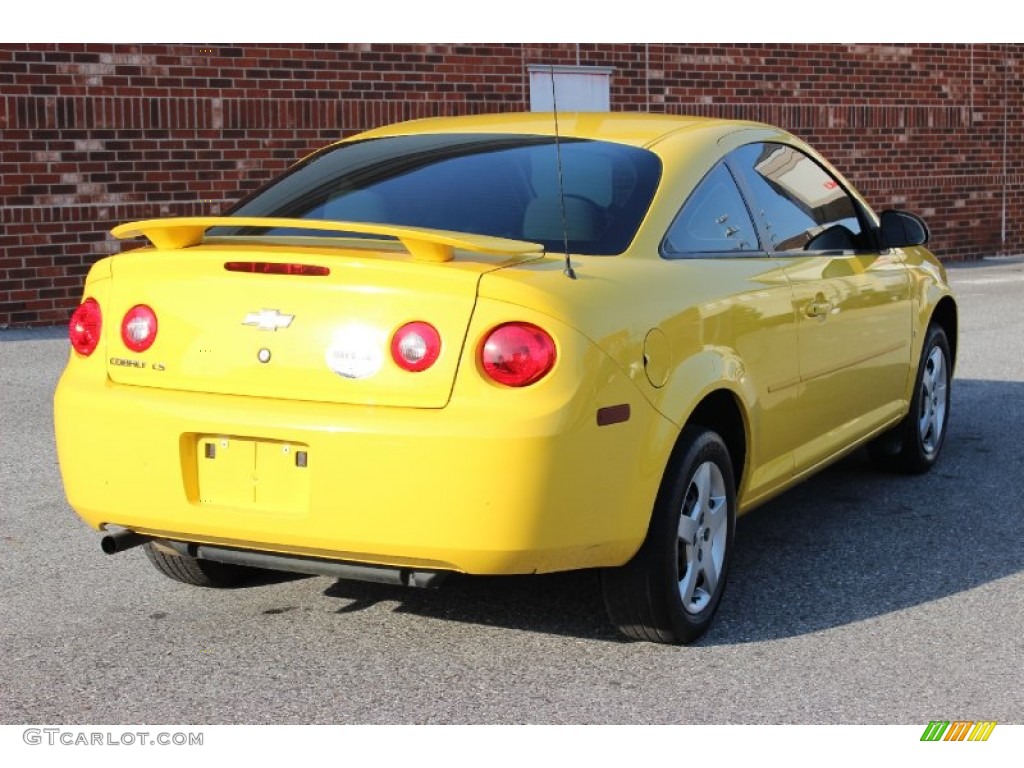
pixel 938 369
pixel 687 529
pixel 925 418
pixel 940 389
pixel 710 570
pixel 702 482
pixel 940 418
pixel 939 395
pixel 687 585
pixel 717 515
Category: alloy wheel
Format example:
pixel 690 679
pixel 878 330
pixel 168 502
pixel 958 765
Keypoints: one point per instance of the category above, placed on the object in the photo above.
pixel 703 533
pixel 932 418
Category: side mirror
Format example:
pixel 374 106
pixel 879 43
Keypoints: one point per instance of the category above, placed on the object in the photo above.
pixel 900 229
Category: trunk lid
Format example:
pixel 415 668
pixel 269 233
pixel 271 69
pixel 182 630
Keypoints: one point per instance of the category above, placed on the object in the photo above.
pixel 318 337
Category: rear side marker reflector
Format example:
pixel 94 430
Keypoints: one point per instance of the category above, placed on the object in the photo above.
pixel 612 414
pixel 276 268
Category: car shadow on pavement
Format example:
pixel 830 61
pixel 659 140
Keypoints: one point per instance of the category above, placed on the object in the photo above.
pixel 854 543
pixel 850 544
pixel 559 604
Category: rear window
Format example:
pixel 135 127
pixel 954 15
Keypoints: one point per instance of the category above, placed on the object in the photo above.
pixel 499 185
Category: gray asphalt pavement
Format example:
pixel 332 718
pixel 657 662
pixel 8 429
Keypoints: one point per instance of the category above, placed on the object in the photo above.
pixel 857 598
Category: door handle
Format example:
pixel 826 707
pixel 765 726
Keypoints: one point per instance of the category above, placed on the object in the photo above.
pixel 818 309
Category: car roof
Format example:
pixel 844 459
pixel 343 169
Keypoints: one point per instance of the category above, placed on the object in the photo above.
pixel 635 128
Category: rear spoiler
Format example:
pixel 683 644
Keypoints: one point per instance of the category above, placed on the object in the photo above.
pixel 423 244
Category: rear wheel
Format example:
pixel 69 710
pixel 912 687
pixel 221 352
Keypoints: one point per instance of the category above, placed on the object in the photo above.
pixel 193 570
pixel 670 590
pixel 913 445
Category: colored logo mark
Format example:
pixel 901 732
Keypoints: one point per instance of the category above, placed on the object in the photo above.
pixel 958 730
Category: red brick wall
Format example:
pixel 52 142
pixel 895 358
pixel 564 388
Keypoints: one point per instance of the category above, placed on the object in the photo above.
pixel 92 135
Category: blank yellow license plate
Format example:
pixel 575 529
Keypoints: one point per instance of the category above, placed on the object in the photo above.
pixel 254 474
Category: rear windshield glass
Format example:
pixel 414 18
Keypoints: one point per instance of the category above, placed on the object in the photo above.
pixel 499 185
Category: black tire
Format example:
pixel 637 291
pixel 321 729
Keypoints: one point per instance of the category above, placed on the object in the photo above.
pixel 664 594
pixel 192 570
pixel 913 445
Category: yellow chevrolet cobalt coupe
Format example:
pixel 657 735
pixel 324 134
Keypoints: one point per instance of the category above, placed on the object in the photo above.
pixel 503 345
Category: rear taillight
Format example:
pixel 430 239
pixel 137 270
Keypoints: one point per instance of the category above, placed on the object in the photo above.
pixel 84 328
pixel 517 354
pixel 138 329
pixel 416 346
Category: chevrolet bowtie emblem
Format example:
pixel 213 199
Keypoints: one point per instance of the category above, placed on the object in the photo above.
pixel 268 319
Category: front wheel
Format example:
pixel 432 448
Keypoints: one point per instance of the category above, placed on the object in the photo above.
pixel 670 590
pixel 913 445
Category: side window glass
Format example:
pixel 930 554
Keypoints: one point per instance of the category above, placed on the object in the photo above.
pixel 801 206
pixel 713 220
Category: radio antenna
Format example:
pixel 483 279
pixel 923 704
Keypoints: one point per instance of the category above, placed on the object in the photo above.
pixel 568 271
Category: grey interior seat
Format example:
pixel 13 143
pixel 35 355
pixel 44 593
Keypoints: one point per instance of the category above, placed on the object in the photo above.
pixel 361 205
pixel 543 219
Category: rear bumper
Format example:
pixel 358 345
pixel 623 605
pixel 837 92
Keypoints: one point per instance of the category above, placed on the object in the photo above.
pixel 473 488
